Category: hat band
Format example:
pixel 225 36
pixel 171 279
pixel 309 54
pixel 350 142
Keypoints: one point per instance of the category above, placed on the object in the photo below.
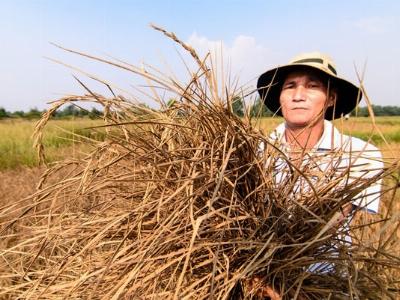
pixel 316 60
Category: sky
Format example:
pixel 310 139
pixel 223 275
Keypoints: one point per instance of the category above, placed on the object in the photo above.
pixel 252 35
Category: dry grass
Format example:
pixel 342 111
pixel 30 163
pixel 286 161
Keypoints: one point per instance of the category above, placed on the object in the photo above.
pixel 182 203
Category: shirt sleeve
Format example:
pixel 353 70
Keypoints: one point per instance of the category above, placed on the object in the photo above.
pixel 366 164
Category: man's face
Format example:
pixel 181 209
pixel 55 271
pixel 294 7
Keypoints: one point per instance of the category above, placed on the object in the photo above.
pixel 304 98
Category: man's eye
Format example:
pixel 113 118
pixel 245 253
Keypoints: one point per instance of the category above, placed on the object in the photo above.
pixel 288 86
pixel 314 85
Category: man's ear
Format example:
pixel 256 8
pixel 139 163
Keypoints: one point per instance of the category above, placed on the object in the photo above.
pixel 332 98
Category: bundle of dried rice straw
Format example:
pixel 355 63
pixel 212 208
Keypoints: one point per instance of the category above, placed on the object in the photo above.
pixel 183 203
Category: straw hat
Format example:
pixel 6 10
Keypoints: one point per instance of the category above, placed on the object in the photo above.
pixel 269 84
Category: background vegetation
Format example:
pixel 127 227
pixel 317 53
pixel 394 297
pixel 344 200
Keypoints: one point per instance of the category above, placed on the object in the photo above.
pixel 68 112
pixel 257 109
pixel 62 139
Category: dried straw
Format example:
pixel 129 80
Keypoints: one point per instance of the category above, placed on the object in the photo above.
pixel 183 203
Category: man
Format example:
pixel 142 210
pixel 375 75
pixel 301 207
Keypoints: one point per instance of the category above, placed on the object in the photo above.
pixel 308 93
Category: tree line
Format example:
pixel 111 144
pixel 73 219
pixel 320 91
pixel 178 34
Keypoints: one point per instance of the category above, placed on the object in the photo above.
pixel 378 111
pixel 238 107
pixel 67 112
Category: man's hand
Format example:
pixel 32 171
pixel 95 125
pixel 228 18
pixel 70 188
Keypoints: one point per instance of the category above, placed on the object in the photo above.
pixel 256 285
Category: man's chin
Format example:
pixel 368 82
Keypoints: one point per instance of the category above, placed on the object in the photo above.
pixel 298 123
pixel 301 123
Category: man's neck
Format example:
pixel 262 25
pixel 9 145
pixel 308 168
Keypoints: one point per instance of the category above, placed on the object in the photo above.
pixel 303 138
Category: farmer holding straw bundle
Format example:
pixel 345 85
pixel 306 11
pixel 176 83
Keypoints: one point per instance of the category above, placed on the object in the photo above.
pixel 308 93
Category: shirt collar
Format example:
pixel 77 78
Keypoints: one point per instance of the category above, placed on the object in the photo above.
pixel 331 138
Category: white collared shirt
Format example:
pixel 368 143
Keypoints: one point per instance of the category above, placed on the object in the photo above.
pixel 335 157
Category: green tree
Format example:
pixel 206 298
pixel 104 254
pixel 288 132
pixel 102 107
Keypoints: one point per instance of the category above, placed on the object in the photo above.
pixel 258 109
pixel 238 106
pixel 4 113
pixel 18 114
pixel 95 113
pixel 378 111
pixel 391 110
pixel 33 113
pixel 70 111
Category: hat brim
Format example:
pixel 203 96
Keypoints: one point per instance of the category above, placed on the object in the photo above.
pixel 269 86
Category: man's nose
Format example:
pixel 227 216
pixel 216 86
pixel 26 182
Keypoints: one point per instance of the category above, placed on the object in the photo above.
pixel 299 93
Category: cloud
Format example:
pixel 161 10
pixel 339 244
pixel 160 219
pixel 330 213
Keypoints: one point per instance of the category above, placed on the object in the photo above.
pixel 244 56
pixel 374 25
